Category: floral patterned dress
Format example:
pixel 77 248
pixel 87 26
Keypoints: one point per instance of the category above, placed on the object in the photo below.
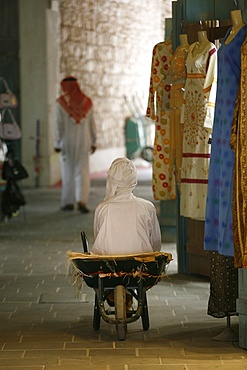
pixel 197 117
pixel 159 111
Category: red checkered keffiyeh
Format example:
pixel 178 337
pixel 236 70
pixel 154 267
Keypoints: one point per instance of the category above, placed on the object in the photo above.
pixel 73 100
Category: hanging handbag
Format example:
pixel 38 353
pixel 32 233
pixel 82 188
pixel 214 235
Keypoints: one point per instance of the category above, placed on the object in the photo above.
pixel 12 199
pixel 9 130
pixel 7 98
pixel 13 169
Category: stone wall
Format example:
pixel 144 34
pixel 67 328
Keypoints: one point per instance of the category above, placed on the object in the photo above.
pixel 107 45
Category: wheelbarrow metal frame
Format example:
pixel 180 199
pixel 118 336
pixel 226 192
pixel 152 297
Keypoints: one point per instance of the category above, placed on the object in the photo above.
pixel 141 295
pixel 133 273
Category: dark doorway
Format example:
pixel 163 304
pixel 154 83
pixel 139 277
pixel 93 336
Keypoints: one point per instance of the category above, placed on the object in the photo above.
pixel 9 57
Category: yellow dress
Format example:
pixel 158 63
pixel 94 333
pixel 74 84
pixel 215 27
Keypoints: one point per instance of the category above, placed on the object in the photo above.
pixel 178 76
pixel 239 145
pixel 159 111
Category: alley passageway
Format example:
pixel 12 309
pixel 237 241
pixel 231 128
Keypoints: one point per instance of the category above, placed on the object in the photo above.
pixel 45 327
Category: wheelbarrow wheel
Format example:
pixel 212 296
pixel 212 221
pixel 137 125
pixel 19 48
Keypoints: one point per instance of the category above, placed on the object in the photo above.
pixel 96 314
pixel 145 316
pixel 120 310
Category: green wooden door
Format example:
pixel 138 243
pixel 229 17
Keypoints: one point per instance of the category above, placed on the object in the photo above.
pixel 196 10
pixel 243 7
pixel 9 56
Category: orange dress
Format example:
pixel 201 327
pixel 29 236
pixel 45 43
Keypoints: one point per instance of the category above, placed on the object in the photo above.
pixel 178 76
pixel 239 146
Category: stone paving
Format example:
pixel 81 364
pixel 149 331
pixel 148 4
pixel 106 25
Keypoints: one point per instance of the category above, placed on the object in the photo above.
pixel 43 326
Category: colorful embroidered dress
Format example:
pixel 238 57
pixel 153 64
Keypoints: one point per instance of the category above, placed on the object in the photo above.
pixel 197 117
pixel 159 111
pixel 239 145
pixel 218 222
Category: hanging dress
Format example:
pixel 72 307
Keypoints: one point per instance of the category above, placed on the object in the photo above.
pixel 197 117
pixel 218 235
pixel 159 111
pixel 218 223
pixel 178 76
pixel 239 145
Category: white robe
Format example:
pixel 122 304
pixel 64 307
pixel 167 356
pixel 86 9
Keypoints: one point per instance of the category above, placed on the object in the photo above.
pixel 75 141
pixel 126 224
pixel 197 117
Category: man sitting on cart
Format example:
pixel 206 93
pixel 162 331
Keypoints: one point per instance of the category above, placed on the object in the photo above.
pixel 123 223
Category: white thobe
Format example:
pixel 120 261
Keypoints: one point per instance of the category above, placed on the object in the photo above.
pixel 75 141
pixel 126 224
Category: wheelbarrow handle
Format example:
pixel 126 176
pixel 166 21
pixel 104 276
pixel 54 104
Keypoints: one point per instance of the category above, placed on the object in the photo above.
pixel 84 242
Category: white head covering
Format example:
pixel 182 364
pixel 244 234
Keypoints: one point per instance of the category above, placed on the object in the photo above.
pixel 121 177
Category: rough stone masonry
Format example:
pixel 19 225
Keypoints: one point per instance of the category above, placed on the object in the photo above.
pixel 107 45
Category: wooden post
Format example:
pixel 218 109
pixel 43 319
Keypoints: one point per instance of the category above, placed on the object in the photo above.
pixel 242 307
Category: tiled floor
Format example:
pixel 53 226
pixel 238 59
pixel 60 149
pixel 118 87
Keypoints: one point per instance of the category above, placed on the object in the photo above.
pixel 43 326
